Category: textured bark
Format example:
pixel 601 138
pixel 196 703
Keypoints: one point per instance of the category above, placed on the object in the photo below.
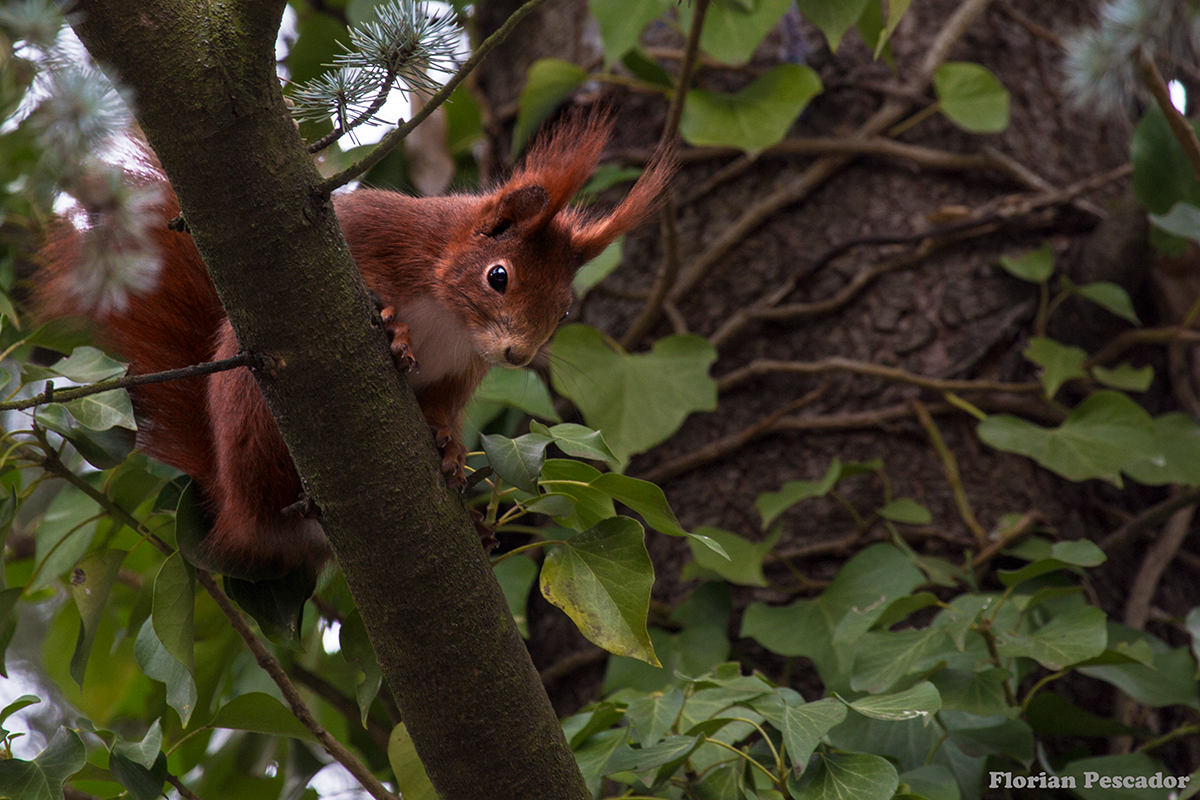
pixel 209 103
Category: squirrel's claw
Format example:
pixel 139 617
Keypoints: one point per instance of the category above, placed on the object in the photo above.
pixel 399 341
pixel 454 458
pixel 487 533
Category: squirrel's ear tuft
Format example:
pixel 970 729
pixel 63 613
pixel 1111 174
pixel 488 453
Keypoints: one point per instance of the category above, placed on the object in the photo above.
pixel 590 237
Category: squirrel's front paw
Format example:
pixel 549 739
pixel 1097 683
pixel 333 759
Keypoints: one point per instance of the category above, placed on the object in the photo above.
pixel 454 457
pixel 486 532
pixel 399 340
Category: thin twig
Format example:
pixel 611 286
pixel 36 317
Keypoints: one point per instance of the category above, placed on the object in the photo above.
pixel 1132 530
pixel 1184 132
pixel 652 310
pixel 345 706
pixel 1131 338
pixel 825 167
pixel 984 221
pixel 726 444
pixel 182 788
pixel 1005 538
pixel 1145 584
pixel 953 476
pixel 394 138
pixel 571 662
pixel 49 461
pixel 76 392
pixel 764 366
pixel 290 694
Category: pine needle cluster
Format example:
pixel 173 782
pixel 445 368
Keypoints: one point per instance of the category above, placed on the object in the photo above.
pixel 399 50
pixel 79 122
pixel 1101 64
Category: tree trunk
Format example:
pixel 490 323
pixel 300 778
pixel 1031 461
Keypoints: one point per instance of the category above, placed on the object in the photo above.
pixel 209 103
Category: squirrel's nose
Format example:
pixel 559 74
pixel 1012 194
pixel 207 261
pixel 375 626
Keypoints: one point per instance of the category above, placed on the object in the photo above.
pixel 517 357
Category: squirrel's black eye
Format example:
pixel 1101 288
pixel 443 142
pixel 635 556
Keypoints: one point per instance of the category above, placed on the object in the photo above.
pixel 497 278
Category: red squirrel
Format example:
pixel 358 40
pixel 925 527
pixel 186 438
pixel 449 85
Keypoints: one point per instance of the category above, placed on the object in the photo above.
pixel 465 282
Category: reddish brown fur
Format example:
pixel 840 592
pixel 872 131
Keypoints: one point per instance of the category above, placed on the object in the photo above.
pixel 428 260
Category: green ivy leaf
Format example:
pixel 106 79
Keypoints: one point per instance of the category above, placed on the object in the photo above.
pixel 518 461
pixel 411 778
pixel 602 579
pixel 156 663
pixel 906 510
pixel 971 97
pixel 733 30
pixel 1182 220
pixel 651 717
pixel 43 777
pixel 91 583
pixel 832 17
pixel 1012 738
pixel 878 574
pixel 1099 438
pixel 356 649
pixel 516 575
pixel 277 604
pixel 622 22
pixel 550 82
pixel 1178 441
pixel 1106 295
pixel 63 537
pixel 572 479
pixel 1071 637
pixel 1035 266
pixel 143 783
pixel 579 441
pixel 835 776
pixel 771 504
pixel 643 497
pixel 1125 376
pixel 884 658
pixel 1132 764
pixel 87 365
pixel 24 701
pixel 99 412
pixel 517 388
pixel 979 692
pixel 803 724
pixel 1059 362
pixel 672 748
pixel 144 752
pixel 1171 681
pixel 742 564
pixel 592 273
pixel 260 713
pixel 755 118
pixel 1062 555
pixel 638 400
pixel 918 702
pixel 1162 174
pixel 173 610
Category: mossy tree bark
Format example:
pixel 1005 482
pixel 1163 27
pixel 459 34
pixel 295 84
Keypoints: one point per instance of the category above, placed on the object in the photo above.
pixel 209 103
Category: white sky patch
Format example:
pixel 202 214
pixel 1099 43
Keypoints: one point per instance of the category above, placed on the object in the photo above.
pixel 330 637
pixel 1178 96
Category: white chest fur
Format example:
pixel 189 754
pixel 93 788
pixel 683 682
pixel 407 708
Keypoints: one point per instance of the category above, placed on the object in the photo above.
pixel 440 343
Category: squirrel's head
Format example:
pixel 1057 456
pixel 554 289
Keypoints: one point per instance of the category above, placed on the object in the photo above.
pixel 514 272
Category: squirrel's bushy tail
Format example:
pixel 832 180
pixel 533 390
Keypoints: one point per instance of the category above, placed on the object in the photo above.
pixel 167 325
